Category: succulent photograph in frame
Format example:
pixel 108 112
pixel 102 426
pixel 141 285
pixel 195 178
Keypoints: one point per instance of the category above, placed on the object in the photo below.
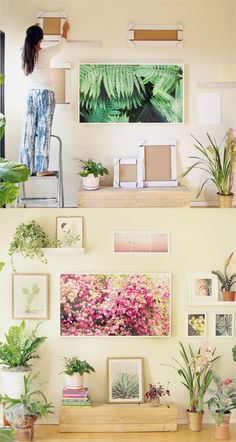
pixel 125 380
pixel 131 93
pixel 224 325
pixel 115 304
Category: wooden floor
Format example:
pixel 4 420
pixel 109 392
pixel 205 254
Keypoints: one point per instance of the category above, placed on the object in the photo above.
pixel 49 433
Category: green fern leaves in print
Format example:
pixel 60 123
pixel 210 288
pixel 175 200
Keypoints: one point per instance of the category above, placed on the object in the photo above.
pixel 125 385
pixel 111 93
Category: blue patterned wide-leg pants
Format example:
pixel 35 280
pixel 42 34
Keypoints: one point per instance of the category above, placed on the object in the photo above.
pixel 38 122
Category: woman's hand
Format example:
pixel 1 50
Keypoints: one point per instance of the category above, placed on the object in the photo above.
pixel 66 28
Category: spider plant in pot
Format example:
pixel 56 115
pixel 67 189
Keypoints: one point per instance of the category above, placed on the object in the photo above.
pixel 15 354
pixel 74 370
pixel 218 161
pixel 31 405
pixel 196 373
pixel 90 172
pixel 226 280
pixel 221 401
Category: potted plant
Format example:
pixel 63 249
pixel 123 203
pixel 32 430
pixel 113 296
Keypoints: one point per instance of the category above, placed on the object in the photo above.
pixel 19 349
pixel 11 173
pixel 226 281
pixel 30 240
pixel 196 373
pixel 234 353
pixel 218 161
pixel 74 370
pixel 90 172
pixel 220 402
pixel 7 434
pixel 156 392
pixel 25 410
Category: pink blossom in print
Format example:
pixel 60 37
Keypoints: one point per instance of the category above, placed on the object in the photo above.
pixel 115 304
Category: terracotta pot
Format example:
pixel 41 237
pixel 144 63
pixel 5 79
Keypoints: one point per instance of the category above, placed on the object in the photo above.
pixel 91 182
pixel 222 430
pixel 194 420
pixel 229 295
pixel 75 381
pixel 225 201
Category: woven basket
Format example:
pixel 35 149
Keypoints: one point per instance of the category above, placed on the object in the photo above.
pixel 194 421
pixel 225 201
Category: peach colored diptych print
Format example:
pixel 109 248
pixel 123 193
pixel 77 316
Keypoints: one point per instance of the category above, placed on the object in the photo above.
pixel 115 304
pixel 141 242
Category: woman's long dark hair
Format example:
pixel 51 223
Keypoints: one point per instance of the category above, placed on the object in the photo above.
pixel 33 35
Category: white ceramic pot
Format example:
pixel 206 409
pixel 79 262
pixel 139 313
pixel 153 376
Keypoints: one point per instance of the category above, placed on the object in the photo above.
pixel 13 382
pixel 91 182
pixel 75 381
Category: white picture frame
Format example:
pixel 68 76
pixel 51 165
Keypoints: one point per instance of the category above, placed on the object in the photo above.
pixel 117 369
pixel 123 168
pixel 165 149
pixel 196 324
pixel 30 297
pixel 141 242
pixel 223 325
pixel 73 224
pixel 43 16
pixel 203 288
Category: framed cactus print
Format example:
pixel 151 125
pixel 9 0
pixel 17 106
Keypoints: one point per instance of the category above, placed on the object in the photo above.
pixel 131 93
pixel 125 380
pixel 30 296
pixel 95 304
pixel 224 325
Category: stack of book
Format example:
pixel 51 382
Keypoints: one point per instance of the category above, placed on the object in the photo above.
pixel 73 397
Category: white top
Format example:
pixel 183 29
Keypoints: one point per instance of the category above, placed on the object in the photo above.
pixel 40 78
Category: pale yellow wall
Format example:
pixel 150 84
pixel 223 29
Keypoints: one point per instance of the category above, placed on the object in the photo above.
pixel 209 42
pixel 200 240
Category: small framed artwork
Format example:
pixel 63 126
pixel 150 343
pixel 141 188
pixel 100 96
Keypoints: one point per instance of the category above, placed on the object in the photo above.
pixel 158 163
pixel 141 242
pixel 125 172
pixel 70 231
pixel 52 24
pixel 224 325
pixel 203 288
pixel 30 296
pixel 125 380
pixel 196 325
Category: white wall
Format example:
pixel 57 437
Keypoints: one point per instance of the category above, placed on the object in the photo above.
pixel 200 240
pixel 209 41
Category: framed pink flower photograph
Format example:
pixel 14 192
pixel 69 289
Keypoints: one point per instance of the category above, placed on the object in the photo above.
pixel 109 304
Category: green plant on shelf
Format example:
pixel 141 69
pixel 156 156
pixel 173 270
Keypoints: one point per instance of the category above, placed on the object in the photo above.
pixel 226 280
pixel 90 167
pixel 75 365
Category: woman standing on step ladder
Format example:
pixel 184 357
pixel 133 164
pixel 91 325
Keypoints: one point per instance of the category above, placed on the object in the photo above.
pixel 40 100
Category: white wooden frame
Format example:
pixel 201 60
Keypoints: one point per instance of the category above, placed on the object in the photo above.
pixel 117 183
pixel 67 68
pixel 214 325
pixel 138 27
pixel 197 314
pixel 142 182
pixel 203 300
pixel 47 14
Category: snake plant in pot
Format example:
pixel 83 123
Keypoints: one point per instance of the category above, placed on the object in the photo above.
pixel 218 162
pixel 226 280
pixel 16 353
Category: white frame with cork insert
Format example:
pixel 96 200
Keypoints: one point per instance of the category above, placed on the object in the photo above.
pixel 125 172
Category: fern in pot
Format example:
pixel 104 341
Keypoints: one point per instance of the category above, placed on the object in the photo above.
pixel 74 369
pixel 16 354
pixel 90 171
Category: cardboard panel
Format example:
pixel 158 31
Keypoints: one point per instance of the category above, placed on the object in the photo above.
pixel 59 84
pixel 157 160
pixel 128 172
pixel 52 25
pixel 155 34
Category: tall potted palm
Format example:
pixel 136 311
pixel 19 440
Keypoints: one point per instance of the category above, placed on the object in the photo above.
pixel 218 161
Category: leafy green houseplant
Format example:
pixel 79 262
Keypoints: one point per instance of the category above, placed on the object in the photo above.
pixel 7 434
pixel 196 373
pixel 30 239
pixel 16 354
pixel 74 370
pixel 11 173
pixel 218 162
pixel 226 280
pixel 90 171
pixel 32 404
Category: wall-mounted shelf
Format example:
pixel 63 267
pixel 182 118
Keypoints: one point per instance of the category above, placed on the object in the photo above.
pixel 64 251
pixel 211 304
pixel 218 85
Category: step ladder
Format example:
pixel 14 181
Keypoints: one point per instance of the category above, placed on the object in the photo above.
pixel 58 199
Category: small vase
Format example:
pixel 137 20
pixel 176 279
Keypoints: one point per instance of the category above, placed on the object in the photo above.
pixel 225 201
pixel 156 402
pixel 229 295
pixel 222 430
pixel 194 420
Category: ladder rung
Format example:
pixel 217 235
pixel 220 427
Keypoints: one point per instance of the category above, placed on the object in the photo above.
pixel 37 199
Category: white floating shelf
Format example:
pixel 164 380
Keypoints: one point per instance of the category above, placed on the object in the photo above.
pixel 51 251
pixel 210 304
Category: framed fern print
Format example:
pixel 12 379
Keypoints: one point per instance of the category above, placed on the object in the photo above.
pixel 131 93
pixel 125 380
